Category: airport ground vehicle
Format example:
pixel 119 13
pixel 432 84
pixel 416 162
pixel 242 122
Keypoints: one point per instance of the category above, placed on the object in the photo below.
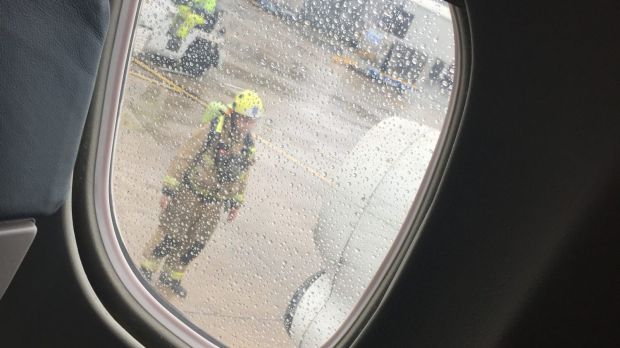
pixel 358 223
pixel 518 242
pixel 193 54
pixel 396 43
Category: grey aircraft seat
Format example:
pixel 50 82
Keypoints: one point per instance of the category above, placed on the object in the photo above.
pixel 49 55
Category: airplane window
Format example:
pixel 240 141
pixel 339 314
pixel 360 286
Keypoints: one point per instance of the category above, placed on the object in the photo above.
pixel 268 152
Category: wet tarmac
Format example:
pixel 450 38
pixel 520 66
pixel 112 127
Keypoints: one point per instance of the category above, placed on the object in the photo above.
pixel 315 112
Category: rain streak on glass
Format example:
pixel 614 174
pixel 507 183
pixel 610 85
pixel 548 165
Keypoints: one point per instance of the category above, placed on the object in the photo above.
pixel 268 152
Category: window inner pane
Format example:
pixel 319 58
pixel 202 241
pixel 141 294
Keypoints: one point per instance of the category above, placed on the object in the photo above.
pixel 268 153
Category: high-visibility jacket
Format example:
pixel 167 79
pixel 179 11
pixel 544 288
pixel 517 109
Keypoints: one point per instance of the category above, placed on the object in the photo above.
pixel 207 5
pixel 189 17
pixel 187 20
pixel 213 164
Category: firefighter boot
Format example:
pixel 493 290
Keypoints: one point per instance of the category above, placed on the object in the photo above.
pixel 152 261
pixel 167 280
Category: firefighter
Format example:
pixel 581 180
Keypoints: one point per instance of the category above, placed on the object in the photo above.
pixel 189 16
pixel 208 175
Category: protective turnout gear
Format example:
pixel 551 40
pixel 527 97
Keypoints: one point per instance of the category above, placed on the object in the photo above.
pixel 208 175
pixel 230 166
pixel 214 163
pixel 185 226
pixel 248 104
